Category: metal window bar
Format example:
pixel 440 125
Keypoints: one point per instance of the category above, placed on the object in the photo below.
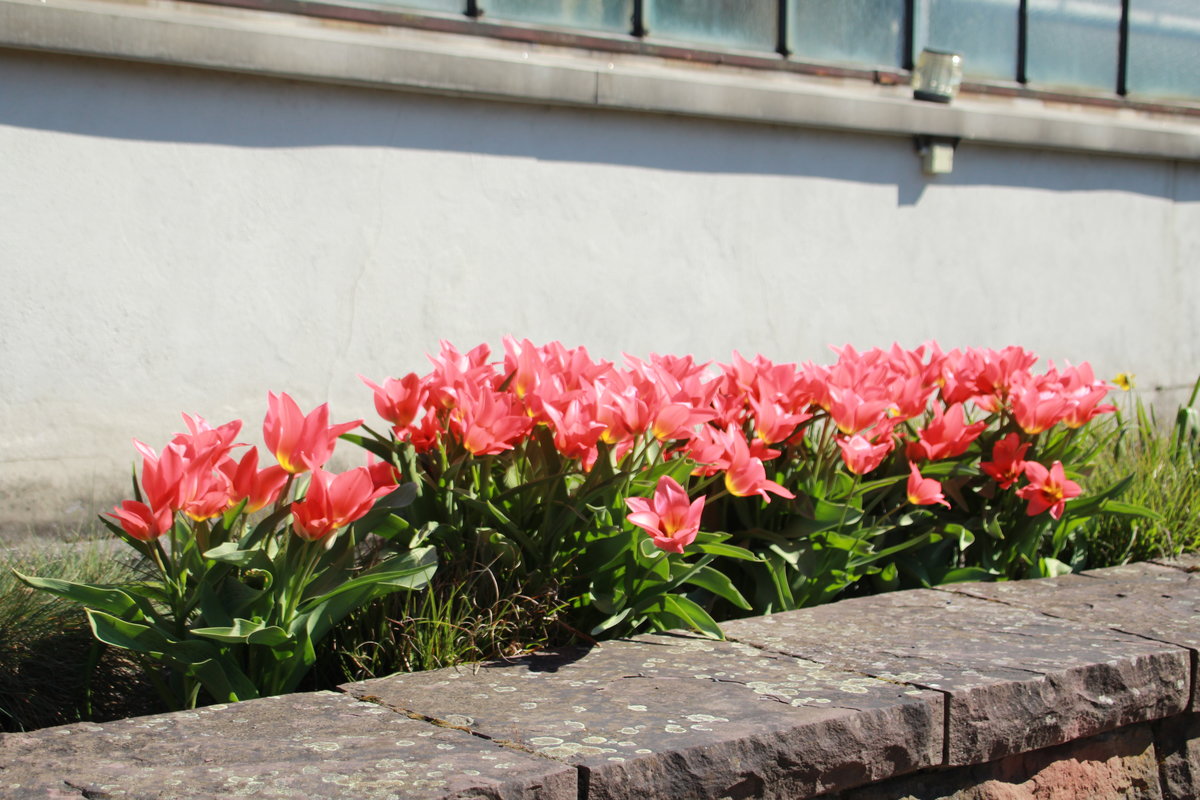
pixel 1123 50
pixel 1022 40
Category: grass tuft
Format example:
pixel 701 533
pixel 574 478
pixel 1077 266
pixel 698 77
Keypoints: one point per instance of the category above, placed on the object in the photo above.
pixel 1164 462
pixel 52 671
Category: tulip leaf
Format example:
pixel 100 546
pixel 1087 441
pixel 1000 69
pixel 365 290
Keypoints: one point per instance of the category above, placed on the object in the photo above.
pixel 1128 510
pixel 729 551
pixel 718 583
pixel 1053 568
pixel 963 574
pixel 612 621
pixel 411 570
pixel 229 553
pixel 691 612
pixel 403 495
pixel 247 632
pixel 127 635
pixel 648 548
pixel 112 600
pixel 370 444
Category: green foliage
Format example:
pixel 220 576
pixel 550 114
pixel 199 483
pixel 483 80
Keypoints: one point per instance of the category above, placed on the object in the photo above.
pixel 557 531
pixel 1161 462
pixel 52 671
pixel 235 609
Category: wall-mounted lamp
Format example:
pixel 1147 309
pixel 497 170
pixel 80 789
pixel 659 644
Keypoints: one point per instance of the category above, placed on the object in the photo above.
pixel 937 75
pixel 936 153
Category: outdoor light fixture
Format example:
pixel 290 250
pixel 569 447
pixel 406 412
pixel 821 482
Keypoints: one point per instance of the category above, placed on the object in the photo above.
pixel 936 153
pixel 937 75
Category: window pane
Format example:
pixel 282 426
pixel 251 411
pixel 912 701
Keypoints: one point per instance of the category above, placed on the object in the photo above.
pixel 453 6
pixel 1164 48
pixel 984 31
pixel 1073 43
pixel 854 31
pixel 601 15
pixel 743 24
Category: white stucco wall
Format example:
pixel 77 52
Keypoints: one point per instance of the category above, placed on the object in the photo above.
pixel 178 240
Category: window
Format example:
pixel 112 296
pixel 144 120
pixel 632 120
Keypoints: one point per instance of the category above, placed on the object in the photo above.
pixel 741 24
pixel 615 16
pixel 1164 48
pixel 1148 49
pixel 870 32
pixel 1074 44
pixel 984 31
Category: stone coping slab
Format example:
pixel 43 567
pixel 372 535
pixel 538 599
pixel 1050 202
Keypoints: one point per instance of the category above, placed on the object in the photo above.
pixel 810 702
pixel 1015 680
pixel 709 719
pixel 303 746
pixel 1156 601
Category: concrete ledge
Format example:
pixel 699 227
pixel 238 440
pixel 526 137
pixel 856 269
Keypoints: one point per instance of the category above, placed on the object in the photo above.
pixel 306 48
pixel 1081 681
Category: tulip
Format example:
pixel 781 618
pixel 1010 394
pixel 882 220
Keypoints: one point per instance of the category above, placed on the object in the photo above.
pixel 489 422
pixel 947 435
pixel 1047 489
pixel 924 491
pixel 398 400
pixel 334 501
pixel 140 521
pixel 384 474
pixel 1007 464
pixel 670 519
pixel 746 474
pixel 575 428
pixel 1038 405
pixel 259 488
pixel 860 455
pixel 300 442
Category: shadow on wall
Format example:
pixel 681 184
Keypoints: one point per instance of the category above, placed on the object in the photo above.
pixel 119 100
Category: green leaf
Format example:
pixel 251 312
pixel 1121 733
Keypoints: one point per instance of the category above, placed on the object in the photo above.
pixel 777 570
pixel 718 583
pixel 114 601
pixel 963 574
pixel 1052 567
pixel 411 570
pixel 230 553
pixel 247 632
pixel 127 635
pixel 1128 510
pixel 402 496
pixel 729 551
pixel 648 548
pixel 380 448
pixel 690 611
pixel 611 622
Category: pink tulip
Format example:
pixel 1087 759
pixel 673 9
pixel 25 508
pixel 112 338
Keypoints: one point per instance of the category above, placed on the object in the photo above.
pixel 947 435
pixel 334 501
pixel 489 422
pixel 259 488
pixel 398 400
pixel 746 474
pixel 300 442
pixel 1038 404
pixel 140 521
pixel 1007 464
pixel 924 491
pixel 670 519
pixel 1047 489
pixel 860 455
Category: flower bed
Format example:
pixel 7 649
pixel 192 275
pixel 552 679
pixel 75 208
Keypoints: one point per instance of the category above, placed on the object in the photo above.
pixel 655 495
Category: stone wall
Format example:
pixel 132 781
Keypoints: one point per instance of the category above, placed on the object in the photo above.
pixel 1082 686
